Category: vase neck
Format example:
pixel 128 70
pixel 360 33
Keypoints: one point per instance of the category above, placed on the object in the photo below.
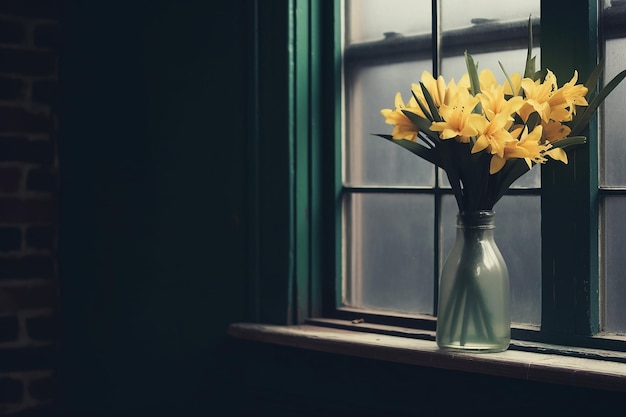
pixel 484 219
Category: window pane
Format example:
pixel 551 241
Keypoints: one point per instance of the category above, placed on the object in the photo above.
pixel 518 236
pixel 458 14
pixel 389 240
pixel 371 160
pixel 369 20
pixel 614 264
pixel 614 125
pixel 513 61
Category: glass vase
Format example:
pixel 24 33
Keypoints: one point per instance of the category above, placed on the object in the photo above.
pixel 474 294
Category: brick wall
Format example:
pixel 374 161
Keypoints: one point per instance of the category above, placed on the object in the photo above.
pixel 29 33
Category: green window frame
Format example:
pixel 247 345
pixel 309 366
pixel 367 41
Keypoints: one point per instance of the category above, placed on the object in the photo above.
pixel 293 95
pixel 295 176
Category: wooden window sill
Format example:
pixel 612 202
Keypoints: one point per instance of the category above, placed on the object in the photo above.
pixel 606 370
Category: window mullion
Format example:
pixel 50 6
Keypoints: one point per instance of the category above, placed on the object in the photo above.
pixel 327 167
pixel 569 192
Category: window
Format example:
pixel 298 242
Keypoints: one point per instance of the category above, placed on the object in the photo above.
pixel 298 199
pixel 398 211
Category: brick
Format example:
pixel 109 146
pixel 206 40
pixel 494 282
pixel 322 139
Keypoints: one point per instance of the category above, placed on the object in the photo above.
pixel 42 180
pixel 41 237
pixel 11 88
pixel 11 390
pixel 17 298
pixel 11 31
pixel 10 239
pixel 45 92
pixel 29 266
pixel 42 328
pixel 19 149
pixel 17 119
pixel 31 8
pixel 9 328
pixel 10 179
pixel 27 358
pixel 47 35
pixel 32 210
pixel 42 389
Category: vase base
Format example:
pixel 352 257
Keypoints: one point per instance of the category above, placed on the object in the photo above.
pixel 474 348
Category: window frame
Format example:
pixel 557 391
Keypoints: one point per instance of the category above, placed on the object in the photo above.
pixel 291 130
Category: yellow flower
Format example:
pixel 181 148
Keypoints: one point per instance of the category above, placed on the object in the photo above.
pixel 564 101
pixel 538 96
pixel 557 154
pixel 403 126
pixel 554 130
pixel 459 121
pixel 436 88
pixel 493 135
pixel 560 108
pixel 487 80
pixel 528 147
pixel 494 102
pixel 464 82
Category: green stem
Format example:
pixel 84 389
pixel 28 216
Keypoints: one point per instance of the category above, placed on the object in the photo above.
pixel 484 314
pixel 466 313
pixel 457 296
pixel 479 321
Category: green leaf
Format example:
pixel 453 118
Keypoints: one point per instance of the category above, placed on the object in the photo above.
pixel 430 155
pixel 431 103
pixel 423 107
pixel 426 139
pixel 529 70
pixel 422 124
pixel 508 79
pixel 512 170
pixel 569 141
pixel 592 81
pixel 451 167
pixel 582 119
pixel 475 168
pixel 472 71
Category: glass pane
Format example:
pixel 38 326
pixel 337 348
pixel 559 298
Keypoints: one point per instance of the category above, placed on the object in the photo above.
pixel 371 160
pixel 513 61
pixel 458 14
pixel 614 124
pixel 369 20
pixel 518 235
pixel 389 240
pixel 614 264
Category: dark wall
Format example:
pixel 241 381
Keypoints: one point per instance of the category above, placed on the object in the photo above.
pixel 152 257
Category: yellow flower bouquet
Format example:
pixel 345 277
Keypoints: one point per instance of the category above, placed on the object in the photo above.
pixel 486 135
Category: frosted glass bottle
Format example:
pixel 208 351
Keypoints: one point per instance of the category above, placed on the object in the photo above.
pixel 474 294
